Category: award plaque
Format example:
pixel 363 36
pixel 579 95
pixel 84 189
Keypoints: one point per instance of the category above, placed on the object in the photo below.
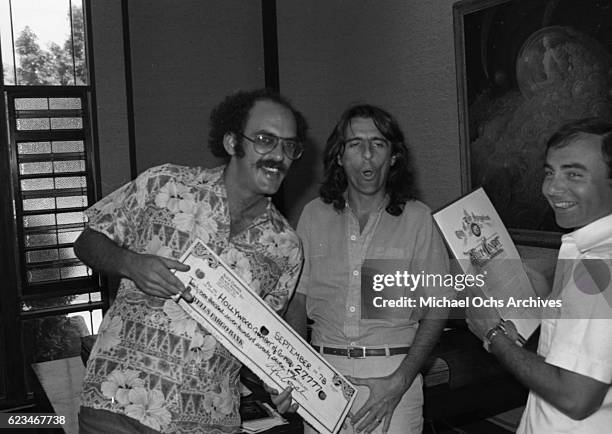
pixel 479 240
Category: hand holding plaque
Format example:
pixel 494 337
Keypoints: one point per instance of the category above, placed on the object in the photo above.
pixel 479 240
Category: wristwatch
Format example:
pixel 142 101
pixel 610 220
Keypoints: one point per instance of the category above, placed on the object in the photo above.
pixel 499 328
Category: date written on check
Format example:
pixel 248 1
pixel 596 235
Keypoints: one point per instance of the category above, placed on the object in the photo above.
pixel 262 340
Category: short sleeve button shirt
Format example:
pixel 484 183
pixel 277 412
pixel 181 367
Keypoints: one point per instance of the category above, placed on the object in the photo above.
pixel 334 250
pixel 151 361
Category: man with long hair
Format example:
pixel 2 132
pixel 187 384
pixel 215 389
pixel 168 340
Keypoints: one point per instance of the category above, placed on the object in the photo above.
pixel 367 209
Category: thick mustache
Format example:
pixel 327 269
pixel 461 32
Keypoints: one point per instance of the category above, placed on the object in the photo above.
pixel 271 165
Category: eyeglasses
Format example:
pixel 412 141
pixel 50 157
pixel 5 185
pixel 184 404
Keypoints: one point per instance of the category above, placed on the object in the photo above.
pixel 265 143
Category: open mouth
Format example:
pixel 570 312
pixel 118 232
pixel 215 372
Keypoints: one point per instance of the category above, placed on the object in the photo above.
pixel 563 205
pixel 271 171
pixel 367 173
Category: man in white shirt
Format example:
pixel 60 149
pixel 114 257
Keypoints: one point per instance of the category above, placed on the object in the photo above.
pixel 570 376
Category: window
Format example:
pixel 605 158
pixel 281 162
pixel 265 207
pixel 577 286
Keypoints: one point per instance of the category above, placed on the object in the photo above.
pixel 48 172
pixel 43 42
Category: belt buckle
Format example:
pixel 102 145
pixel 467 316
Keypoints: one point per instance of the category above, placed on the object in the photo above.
pixel 350 348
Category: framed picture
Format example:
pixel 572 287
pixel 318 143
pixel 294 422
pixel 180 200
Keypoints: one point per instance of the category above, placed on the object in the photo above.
pixel 524 68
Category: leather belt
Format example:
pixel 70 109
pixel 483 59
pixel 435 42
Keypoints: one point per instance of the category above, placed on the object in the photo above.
pixel 353 352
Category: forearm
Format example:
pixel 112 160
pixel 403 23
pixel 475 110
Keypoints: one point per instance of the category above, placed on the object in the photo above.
pixel 426 337
pixel 575 395
pixel 101 253
pixel 150 273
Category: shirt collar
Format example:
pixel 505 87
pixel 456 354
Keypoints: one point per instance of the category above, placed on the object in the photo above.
pixel 213 179
pixel 275 217
pixel 380 207
pixel 591 235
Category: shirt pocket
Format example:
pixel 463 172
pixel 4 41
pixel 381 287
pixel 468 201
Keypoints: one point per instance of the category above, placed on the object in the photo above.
pixel 327 273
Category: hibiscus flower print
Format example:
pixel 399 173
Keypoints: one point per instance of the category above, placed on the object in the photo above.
pixel 197 219
pixel 202 348
pixel 175 197
pixel 155 247
pixel 288 247
pixel 287 243
pixel 119 384
pixel 205 224
pixel 238 262
pixel 180 321
pixel 109 334
pixel 276 301
pixel 269 239
pixel 207 176
pixel 279 244
pixel 283 283
pixel 147 407
pixel 220 403
pixel 255 285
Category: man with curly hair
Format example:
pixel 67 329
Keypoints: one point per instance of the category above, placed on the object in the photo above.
pixel 368 210
pixel 153 368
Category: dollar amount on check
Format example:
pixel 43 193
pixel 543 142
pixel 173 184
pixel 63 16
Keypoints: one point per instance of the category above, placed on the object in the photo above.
pixel 242 322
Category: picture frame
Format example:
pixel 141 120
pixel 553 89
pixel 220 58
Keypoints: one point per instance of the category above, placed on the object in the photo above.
pixel 524 68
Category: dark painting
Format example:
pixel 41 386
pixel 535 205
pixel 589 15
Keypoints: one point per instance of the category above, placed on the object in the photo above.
pixel 524 69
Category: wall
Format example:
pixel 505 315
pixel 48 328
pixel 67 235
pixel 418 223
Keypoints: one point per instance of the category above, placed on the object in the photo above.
pixel 331 53
pixel 112 117
pixel 398 54
pixel 186 56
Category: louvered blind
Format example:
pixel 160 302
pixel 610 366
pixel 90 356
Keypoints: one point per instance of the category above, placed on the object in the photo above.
pixel 51 186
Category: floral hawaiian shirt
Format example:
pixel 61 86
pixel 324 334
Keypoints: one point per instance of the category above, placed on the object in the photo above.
pixel 151 361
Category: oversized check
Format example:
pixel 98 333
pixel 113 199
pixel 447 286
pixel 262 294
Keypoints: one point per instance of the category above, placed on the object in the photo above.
pixel 244 324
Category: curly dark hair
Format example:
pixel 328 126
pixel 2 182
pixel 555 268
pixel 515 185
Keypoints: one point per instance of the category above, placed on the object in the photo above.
pixel 596 126
pixel 400 185
pixel 231 116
